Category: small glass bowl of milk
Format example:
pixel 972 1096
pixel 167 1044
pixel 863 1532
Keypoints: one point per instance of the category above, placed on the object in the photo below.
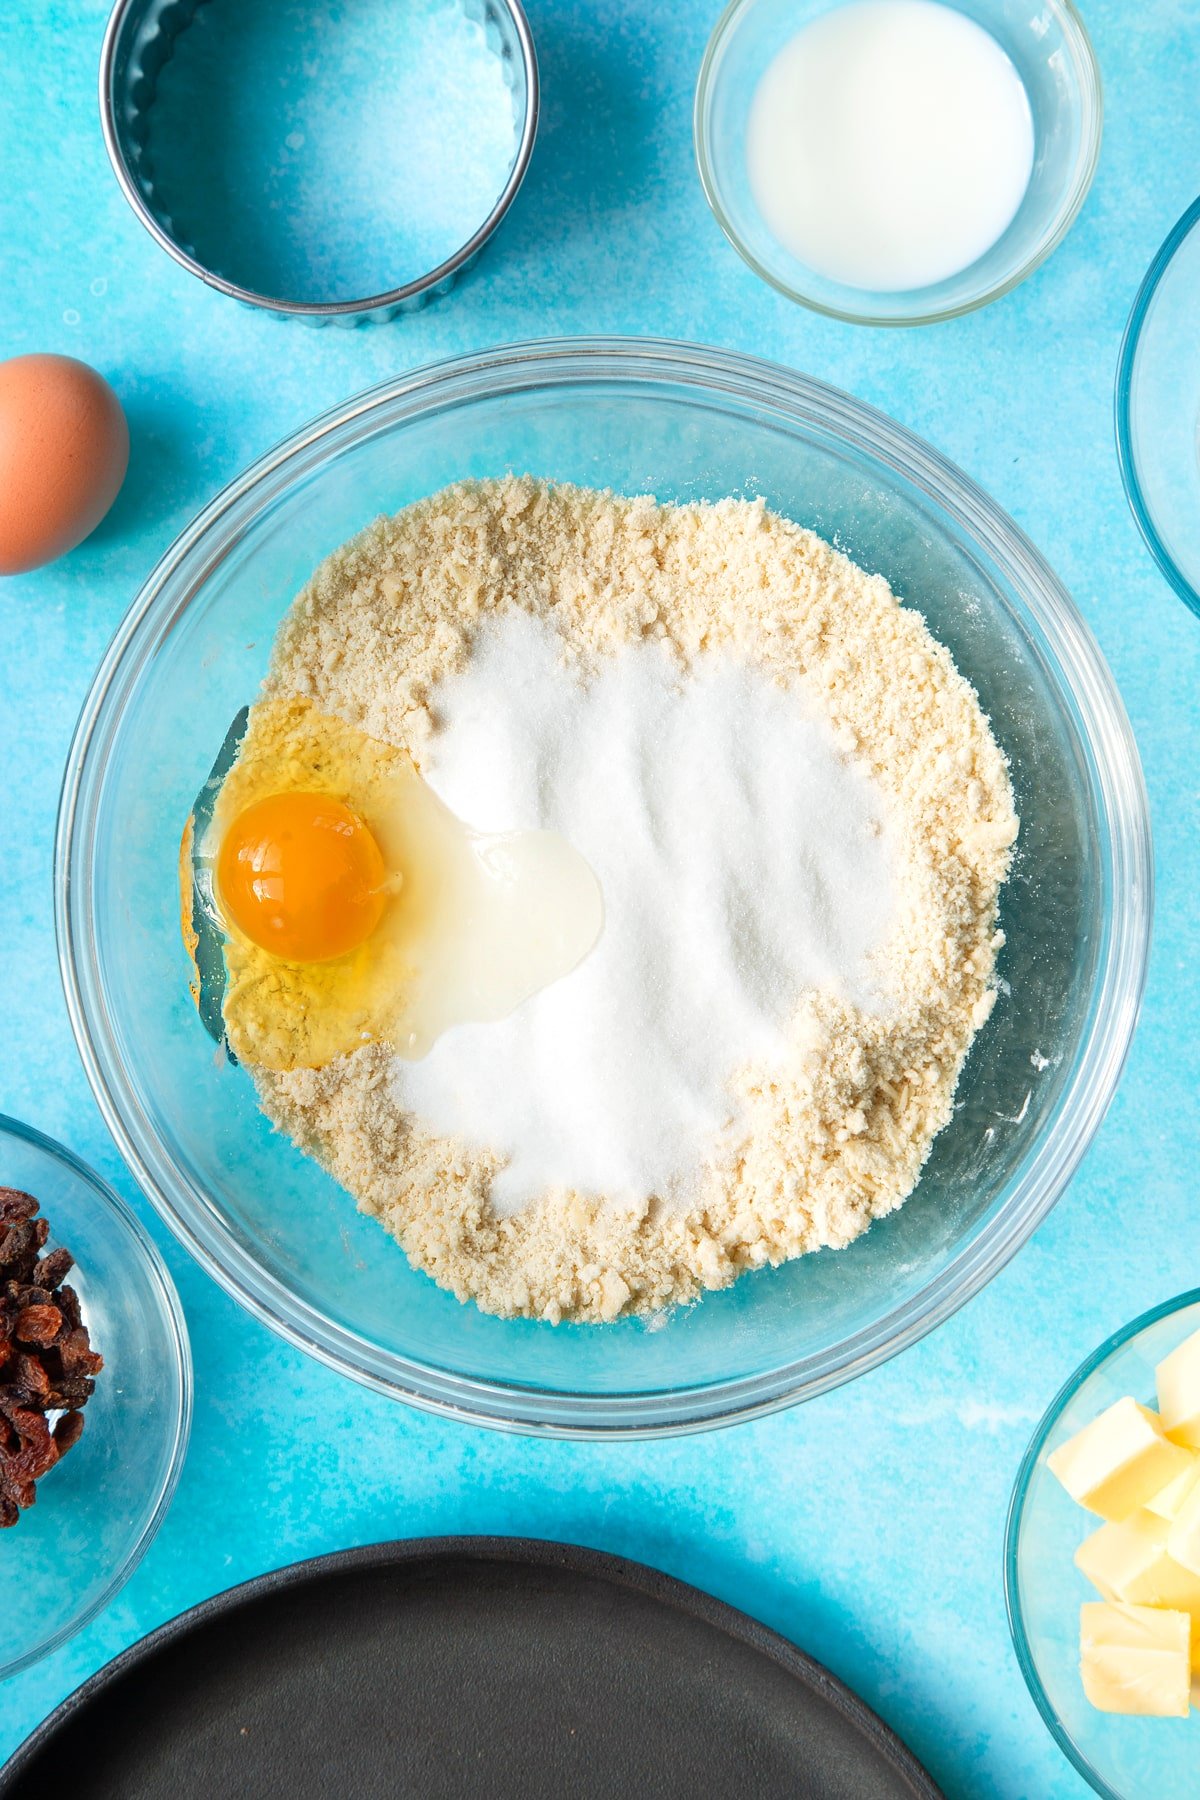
pixel 893 162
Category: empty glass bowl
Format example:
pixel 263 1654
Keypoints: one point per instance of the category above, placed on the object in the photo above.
pixel 98 1509
pixel 687 424
pixel 1053 55
pixel 1158 408
pixel 1124 1758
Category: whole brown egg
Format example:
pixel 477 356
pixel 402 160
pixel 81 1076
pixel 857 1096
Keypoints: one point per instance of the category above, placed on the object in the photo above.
pixel 64 449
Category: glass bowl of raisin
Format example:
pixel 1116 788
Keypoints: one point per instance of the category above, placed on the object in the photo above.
pixel 95 1394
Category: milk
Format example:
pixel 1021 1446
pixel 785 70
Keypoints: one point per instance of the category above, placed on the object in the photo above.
pixel 889 143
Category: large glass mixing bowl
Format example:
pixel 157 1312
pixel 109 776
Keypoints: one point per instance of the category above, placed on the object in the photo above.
pixel 685 424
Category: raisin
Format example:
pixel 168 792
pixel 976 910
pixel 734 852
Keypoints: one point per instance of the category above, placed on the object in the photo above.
pixel 38 1324
pixel 16 1205
pixel 67 1302
pixel 71 1390
pixel 47 1363
pixel 52 1268
pixel 78 1357
pixel 22 1295
pixel 68 1431
pixel 30 1380
pixel 34 1451
pixel 20 1243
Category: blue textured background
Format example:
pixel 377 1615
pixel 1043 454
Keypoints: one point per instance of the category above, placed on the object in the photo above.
pixel 868 1525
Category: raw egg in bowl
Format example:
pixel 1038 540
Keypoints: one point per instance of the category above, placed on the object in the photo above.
pixel 351 904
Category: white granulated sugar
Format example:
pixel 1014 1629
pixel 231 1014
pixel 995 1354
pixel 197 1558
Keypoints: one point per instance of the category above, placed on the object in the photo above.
pixel 742 859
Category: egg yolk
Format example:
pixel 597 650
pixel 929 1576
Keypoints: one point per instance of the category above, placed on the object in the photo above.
pixel 300 875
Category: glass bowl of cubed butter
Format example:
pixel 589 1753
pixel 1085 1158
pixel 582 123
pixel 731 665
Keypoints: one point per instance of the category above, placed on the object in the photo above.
pixel 1102 1565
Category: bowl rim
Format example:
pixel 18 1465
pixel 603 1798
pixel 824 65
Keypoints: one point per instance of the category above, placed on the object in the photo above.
pixel 1016 1514
pixel 1127 460
pixel 533 1556
pixel 171 1313
pixel 318 311
pixel 1118 793
pixel 1090 85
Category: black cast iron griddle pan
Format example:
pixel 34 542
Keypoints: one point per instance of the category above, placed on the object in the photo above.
pixel 450 1667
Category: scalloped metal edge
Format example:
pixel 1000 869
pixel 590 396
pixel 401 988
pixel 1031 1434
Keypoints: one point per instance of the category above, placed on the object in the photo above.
pixel 139 42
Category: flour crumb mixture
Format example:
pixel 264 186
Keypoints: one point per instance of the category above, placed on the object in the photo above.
pixel 801 823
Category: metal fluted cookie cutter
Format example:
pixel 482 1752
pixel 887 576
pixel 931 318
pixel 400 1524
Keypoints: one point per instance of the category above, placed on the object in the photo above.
pixel 184 169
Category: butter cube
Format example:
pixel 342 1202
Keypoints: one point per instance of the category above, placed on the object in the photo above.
pixel 1119 1461
pixel 1135 1659
pixel 1130 1561
pixel 1178 1380
pixel 1183 1533
pixel 1168 1502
